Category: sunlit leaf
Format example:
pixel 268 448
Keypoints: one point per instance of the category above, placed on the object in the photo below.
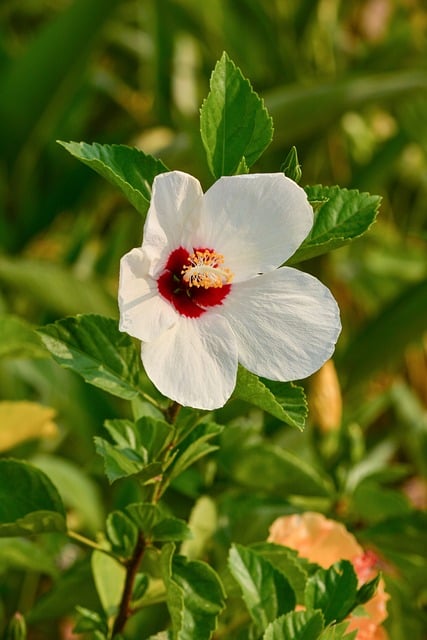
pixel 109 576
pixel 283 400
pixel 93 347
pixel 343 216
pixel 234 123
pixel 127 168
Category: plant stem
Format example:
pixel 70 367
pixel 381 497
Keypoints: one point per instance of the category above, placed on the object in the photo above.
pixel 86 541
pixel 172 411
pixel 131 571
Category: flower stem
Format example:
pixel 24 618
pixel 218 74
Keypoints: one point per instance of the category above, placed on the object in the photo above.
pixel 131 570
pixel 172 411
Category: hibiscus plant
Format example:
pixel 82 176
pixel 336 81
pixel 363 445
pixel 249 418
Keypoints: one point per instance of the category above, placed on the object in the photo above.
pixel 218 320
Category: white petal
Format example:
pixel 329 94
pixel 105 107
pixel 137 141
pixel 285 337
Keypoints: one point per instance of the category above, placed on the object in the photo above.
pixel 175 199
pixel 255 221
pixel 144 314
pixel 194 362
pixel 286 323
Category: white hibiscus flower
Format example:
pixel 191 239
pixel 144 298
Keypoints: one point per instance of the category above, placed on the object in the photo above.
pixel 204 290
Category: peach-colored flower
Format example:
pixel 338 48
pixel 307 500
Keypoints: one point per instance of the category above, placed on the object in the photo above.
pixel 325 542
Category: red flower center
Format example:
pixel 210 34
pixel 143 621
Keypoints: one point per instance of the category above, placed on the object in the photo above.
pixel 194 282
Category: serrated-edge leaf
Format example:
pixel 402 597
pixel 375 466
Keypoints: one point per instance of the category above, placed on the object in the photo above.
pixel 343 216
pixel 202 598
pixel 92 346
pixel 333 590
pixel 297 625
pixel 287 562
pixel 128 168
pixel 292 406
pixel 230 149
pixel 258 580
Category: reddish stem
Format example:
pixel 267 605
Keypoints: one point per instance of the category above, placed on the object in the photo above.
pixel 132 566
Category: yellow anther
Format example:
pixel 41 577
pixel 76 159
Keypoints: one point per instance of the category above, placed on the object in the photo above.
pixel 204 270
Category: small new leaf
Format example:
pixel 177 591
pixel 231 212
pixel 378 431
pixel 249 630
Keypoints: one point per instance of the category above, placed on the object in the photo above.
pixel 291 166
pixel 234 123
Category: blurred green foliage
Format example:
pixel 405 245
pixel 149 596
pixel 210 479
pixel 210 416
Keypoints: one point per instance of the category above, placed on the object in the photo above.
pixel 346 83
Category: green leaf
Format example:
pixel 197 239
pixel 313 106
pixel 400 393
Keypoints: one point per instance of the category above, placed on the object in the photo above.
pixel 128 168
pixel 297 625
pixel 19 340
pixel 148 436
pixel 270 468
pixel 266 592
pixel 122 532
pixel 109 576
pixel 29 502
pixel 170 530
pixel 333 591
pixel 291 166
pixel 287 562
pixel 338 632
pixel 367 590
pixel 194 447
pixel 93 347
pixel 145 515
pixel 90 621
pixel 283 400
pixel 343 216
pixel 121 463
pixel 195 596
pixel 234 123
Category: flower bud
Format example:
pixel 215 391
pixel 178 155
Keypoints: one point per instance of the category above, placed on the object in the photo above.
pixel 325 401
